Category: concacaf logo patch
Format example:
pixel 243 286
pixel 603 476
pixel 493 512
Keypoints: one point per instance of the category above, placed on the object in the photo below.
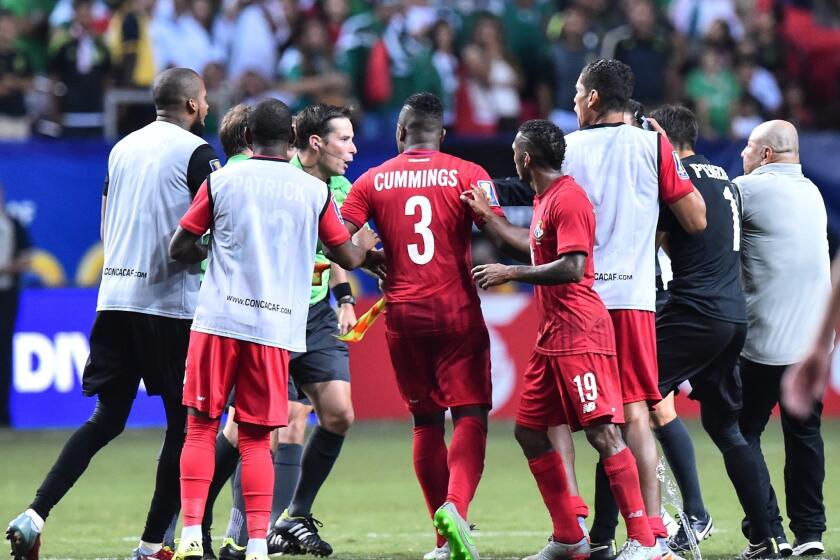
pixel 215 165
pixel 538 231
pixel 683 174
pixel 490 190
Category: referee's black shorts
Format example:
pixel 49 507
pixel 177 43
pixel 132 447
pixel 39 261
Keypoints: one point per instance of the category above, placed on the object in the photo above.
pixel 126 347
pixel 705 351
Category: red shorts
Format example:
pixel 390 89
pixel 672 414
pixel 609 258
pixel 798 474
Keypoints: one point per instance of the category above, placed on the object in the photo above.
pixel 445 370
pixel 576 389
pixel 635 348
pixel 215 364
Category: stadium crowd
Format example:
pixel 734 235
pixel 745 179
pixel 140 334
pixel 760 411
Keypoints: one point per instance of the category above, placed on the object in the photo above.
pixel 494 63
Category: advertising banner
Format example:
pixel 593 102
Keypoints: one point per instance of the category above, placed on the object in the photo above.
pixel 51 347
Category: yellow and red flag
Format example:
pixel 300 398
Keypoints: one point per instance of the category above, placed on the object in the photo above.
pixel 357 333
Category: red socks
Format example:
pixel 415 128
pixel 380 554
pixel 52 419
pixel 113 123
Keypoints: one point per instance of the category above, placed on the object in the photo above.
pixel 466 461
pixel 579 507
pixel 198 460
pixel 624 482
pixel 430 465
pixel 658 527
pixel 257 477
pixel 550 475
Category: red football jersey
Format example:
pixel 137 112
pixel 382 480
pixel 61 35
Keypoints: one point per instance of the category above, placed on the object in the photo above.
pixel 414 201
pixel 573 319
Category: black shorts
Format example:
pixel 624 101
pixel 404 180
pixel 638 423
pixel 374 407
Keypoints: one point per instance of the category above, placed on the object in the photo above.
pixel 295 395
pixel 126 347
pixel 326 358
pixel 702 350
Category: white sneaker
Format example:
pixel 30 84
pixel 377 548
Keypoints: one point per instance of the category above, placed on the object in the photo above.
pixel 634 550
pixel 666 552
pixel 439 553
pixel 670 523
pixel 560 551
pixel 810 548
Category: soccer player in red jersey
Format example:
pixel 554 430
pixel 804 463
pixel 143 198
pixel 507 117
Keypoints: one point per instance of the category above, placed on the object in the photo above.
pixel 266 215
pixel 572 376
pixel 436 334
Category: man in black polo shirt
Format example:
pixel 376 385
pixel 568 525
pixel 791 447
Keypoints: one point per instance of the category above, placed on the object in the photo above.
pixel 699 335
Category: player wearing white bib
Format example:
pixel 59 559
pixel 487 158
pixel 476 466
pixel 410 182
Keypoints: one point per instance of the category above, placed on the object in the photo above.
pixel 627 171
pixel 265 215
pixel 146 302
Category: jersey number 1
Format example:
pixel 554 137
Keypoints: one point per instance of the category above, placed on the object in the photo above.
pixel 736 220
pixel 412 206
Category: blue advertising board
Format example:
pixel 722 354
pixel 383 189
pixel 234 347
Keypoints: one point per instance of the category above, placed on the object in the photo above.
pixel 50 351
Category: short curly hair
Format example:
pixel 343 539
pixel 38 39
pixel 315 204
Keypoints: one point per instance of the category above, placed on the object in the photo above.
pixel 547 145
pixel 612 79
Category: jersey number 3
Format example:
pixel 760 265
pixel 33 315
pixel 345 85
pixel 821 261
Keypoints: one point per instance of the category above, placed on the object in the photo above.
pixel 421 205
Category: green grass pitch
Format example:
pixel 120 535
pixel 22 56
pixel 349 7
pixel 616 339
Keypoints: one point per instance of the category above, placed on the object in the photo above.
pixel 371 506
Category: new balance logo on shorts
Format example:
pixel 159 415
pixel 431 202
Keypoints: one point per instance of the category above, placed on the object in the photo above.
pixel 588 407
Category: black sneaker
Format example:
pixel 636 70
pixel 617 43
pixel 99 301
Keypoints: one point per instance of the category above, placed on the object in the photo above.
pixel 303 533
pixel 606 550
pixel 701 527
pixel 207 544
pixel 768 548
pixel 785 549
pixel 231 551
pixel 278 545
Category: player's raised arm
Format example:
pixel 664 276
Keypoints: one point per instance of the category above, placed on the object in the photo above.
pixel 508 238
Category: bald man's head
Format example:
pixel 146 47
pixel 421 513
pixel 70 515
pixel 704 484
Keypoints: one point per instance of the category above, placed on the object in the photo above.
pixel 180 95
pixel 771 142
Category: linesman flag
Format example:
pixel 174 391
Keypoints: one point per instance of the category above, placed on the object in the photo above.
pixel 357 333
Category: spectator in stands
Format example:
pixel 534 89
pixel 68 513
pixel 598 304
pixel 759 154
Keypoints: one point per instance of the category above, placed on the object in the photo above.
pixel 362 54
pixel 746 116
pixel 80 65
pixel 758 82
pixel 33 28
pixel 719 36
pixel 524 29
pixel 15 82
pixel 335 13
pixel 768 42
pixel 713 89
pixel 574 48
pixel 493 78
pixel 693 18
pixel 307 71
pixel 62 15
pixel 258 29
pixel 447 66
pixel 795 109
pixel 197 47
pixel 131 44
pixel 14 260
pixel 645 46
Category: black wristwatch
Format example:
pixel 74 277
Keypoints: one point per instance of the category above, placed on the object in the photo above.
pixel 347 299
